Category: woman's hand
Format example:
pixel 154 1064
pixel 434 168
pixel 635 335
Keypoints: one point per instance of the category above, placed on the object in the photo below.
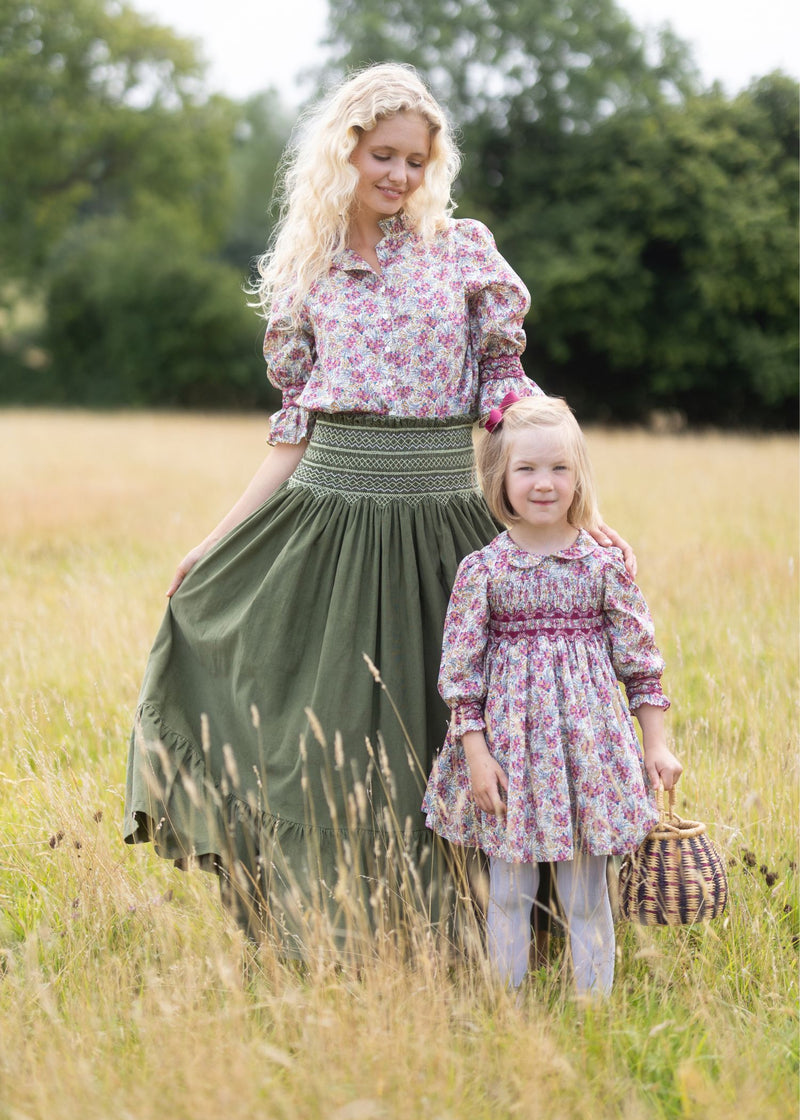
pixel 279 464
pixel 610 538
pixel 186 565
pixel 489 781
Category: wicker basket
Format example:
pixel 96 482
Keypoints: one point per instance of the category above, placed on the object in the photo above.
pixel 676 876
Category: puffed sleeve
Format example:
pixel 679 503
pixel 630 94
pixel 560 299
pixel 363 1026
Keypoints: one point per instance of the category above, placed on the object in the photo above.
pixel 498 303
pixel 462 680
pixel 631 637
pixel 290 354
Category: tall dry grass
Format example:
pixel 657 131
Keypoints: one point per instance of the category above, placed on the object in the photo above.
pixel 124 989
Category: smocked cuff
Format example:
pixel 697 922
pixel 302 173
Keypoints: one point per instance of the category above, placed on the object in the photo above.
pixel 467 717
pixel 645 692
pixel 500 366
pixel 290 425
pixel 494 390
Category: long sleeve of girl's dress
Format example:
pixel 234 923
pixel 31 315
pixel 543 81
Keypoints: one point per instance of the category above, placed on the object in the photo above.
pixel 290 353
pixel 462 679
pixel 631 638
pixel 498 303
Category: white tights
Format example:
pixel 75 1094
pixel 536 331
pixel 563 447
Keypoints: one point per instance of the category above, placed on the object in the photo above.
pixel 583 894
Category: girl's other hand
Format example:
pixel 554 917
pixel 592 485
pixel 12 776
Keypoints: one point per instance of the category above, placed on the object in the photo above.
pixel 489 784
pixel 610 538
pixel 489 781
pixel 186 565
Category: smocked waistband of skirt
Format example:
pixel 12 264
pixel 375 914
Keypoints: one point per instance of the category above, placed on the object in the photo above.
pixel 362 457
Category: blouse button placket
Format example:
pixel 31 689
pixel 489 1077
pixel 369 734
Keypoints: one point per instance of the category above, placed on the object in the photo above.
pixel 386 329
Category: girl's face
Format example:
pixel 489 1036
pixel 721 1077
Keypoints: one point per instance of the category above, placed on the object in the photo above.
pixel 390 160
pixel 540 480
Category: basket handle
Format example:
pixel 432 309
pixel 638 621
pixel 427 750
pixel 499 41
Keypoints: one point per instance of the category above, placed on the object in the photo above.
pixel 669 813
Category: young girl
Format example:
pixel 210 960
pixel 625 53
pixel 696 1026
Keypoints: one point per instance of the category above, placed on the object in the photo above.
pixel 541 762
pixel 391 328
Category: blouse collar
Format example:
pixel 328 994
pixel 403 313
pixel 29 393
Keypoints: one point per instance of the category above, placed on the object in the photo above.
pixel 395 230
pixel 394 227
pixel 520 558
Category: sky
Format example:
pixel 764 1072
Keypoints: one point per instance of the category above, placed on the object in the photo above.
pixel 253 44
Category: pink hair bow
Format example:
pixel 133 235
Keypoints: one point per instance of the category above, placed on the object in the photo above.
pixel 495 417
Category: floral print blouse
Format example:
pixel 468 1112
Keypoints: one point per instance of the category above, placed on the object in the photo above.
pixel 437 335
pixel 533 650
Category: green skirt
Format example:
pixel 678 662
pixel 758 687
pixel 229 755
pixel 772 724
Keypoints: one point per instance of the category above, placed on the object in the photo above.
pixel 289 712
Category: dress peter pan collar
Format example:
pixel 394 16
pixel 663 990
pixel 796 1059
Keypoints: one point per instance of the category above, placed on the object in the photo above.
pixel 519 558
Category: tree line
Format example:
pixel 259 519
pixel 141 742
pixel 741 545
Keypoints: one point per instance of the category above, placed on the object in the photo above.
pixel 654 220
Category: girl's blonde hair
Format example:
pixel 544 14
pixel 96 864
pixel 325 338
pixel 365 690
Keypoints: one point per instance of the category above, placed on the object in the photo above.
pixel 319 181
pixel 494 449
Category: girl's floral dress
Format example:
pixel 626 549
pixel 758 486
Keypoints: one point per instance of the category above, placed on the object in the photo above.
pixel 534 647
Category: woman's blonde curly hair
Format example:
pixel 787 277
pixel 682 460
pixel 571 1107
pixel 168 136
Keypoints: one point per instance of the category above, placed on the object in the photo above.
pixel 318 181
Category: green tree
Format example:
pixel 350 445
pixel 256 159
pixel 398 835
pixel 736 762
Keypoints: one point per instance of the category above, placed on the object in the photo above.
pixel 138 314
pixel 663 256
pixel 123 184
pixel 102 110
pixel 500 62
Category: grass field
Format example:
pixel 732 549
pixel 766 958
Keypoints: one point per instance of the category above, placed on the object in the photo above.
pixel 124 990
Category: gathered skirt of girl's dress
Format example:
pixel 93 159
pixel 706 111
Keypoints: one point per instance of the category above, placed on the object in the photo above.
pixel 263 746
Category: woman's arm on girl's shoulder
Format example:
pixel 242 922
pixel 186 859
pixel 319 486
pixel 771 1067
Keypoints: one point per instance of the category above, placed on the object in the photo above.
pixel 279 465
pixel 610 538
